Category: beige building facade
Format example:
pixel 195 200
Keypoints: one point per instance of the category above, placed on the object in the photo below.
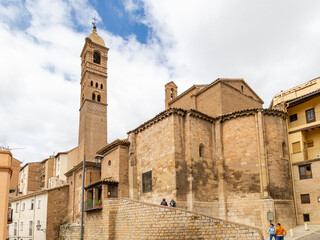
pixel 302 103
pixel 5 177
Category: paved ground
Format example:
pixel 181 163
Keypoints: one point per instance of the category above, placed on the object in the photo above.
pixel 299 233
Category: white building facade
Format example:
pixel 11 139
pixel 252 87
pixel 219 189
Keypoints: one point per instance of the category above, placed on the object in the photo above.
pixel 28 212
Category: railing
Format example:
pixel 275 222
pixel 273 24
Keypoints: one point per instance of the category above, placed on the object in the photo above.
pixel 306 154
pixel 302 120
pixel 92 204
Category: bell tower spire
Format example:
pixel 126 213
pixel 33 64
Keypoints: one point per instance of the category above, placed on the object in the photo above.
pixel 93 99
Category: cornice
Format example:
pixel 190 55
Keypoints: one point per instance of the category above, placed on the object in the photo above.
pixel 112 145
pixel 158 118
pixel 79 166
pixel 249 112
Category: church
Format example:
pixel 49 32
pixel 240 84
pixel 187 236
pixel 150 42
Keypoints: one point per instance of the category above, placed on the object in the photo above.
pixel 214 150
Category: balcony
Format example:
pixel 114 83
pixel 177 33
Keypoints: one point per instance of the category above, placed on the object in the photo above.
pixel 92 204
pixel 306 154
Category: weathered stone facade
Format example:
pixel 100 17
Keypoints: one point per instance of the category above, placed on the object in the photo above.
pixel 239 175
pixel 128 219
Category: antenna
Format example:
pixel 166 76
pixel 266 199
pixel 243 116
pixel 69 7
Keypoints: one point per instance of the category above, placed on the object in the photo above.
pixel 5 147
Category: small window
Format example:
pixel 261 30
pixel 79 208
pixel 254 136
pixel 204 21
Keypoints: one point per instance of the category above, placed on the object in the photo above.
pixel 310 143
pixel 310 116
pixel 17 207
pixel 21 226
pixel 296 147
pixel 39 203
pixel 293 117
pixel 305 198
pixel 96 57
pixel 30 228
pixel 201 150
pixel 242 88
pixel 171 93
pixel 93 96
pixel 109 163
pixel 97 85
pixel 23 206
pixel 305 171
pixel 147 182
pixel 101 86
pixel 32 203
pixel 98 98
pixel 306 217
pixel 91 83
pixel 15 229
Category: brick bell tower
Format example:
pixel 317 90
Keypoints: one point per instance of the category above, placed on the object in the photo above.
pixel 93 105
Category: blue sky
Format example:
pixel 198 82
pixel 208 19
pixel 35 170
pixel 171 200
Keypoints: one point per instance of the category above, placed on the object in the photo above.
pixel 273 45
pixel 116 19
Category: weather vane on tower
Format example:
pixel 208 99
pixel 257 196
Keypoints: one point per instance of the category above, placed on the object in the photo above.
pixel 94 23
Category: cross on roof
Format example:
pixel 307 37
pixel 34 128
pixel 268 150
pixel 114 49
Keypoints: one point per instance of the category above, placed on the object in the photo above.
pixel 94 22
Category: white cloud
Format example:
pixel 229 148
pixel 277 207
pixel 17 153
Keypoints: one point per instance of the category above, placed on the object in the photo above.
pixel 265 42
pixel 274 45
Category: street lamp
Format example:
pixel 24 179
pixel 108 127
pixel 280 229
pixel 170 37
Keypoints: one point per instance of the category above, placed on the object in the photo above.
pixel 38 226
pixel 99 158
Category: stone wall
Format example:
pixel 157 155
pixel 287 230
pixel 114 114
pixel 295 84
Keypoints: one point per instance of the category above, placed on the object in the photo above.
pixel 128 219
pixel 69 231
pixel 57 210
pixel 136 220
pixel 156 154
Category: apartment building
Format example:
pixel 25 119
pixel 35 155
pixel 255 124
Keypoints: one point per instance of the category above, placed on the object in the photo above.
pixel 302 104
pixel 29 178
pixel 47 171
pixel 37 215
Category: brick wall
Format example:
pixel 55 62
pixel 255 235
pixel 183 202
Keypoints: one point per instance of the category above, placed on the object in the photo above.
pixel 57 210
pixel 128 219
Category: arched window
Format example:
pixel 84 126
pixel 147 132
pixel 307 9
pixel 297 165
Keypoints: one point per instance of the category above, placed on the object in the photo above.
pixel 93 96
pixel 109 163
pixel 91 83
pixel 98 98
pixel 97 85
pixel 101 86
pixel 201 150
pixel 96 57
pixel 241 88
pixel 171 93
